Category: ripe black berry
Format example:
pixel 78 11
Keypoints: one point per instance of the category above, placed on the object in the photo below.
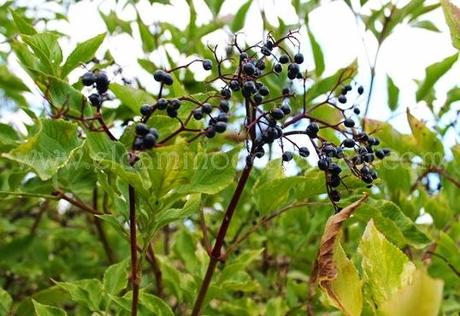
pixel 349 122
pixel 138 143
pixel 284 59
pixel 210 132
pixel 286 91
pixel 206 108
pixel 287 156
pixel 293 68
pixel 146 110
pixel 386 151
pixel 277 113
pixel 222 117
pixel 259 152
pixel 291 75
pixel 95 99
pixel 258 98
pixel 260 64
pixel 360 90
pixel 299 76
pixel 286 109
pixel 175 104
pixel 249 69
pixel 163 77
pixel 373 141
pixel 226 93
pixel 234 85
pixel 264 91
pixel 207 64
pixel 88 79
pixel 277 68
pixel 154 132
pixel 329 150
pixel 265 51
pixel 323 164
pixel 298 58
pixel 102 82
pixel 357 111
pixel 349 143
pixel 224 106
pixel 334 195
pixel 162 104
pixel 312 130
pixel 172 112
pixel 335 169
pixel 220 127
pixel 249 87
pixel 304 152
pixel 368 157
pixel 141 129
pixel 334 181
pixel 149 140
pixel 197 114
pixel 342 99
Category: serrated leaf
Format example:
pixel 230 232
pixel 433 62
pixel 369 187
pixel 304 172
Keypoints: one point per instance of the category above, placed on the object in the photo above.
pixel 131 97
pixel 165 217
pixel 393 94
pixel 386 269
pixel 47 49
pixel 240 17
pixel 317 54
pixel 48 150
pixel 87 292
pixel 116 277
pixel 452 15
pixel 429 145
pixel 389 219
pixel 432 74
pixel 211 173
pixel 83 53
pixel 46 310
pixel 422 297
pixel 22 24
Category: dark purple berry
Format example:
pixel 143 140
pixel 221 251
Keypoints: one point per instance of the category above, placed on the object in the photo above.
pixel 207 64
pixel 88 79
pixel 304 152
pixel 298 58
pixel 287 156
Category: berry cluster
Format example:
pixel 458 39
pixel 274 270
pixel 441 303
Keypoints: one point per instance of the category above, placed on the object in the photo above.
pixel 99 80
pixel 269 118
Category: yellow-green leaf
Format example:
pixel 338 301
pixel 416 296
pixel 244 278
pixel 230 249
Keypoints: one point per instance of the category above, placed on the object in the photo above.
pixel 385 267
pixel 452 14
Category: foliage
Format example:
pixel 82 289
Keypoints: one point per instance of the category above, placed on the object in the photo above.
pixel 93 223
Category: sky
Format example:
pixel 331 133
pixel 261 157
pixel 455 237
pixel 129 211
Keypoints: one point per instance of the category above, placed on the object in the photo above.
pixel 404 55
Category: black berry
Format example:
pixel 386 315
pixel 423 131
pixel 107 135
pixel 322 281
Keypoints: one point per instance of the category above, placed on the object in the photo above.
pixel 95 99
pixel 220 127
pixel 287 156
pixel 146 110
pixel 88 79
pixel 349 122
pixel 277 68
pixel 277 113
pixel 142 129
pixel 207 64
pixel 342 99
pixel 360 90
pixel 249 69
pixel 206 108
pixel 304 152
pixel 312 130
pixel 197 114
pixel 162 104
pixel 286 109
pixel 284 59
pixel 298 58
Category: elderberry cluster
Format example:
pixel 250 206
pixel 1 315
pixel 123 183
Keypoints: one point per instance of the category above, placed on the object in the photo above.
pixel 269 117
pixel 101 82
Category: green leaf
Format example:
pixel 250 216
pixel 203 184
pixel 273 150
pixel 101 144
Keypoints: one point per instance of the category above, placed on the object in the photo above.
pixel 83 53
pixel 131 97
pixel 214 6
pixel 427 25
pixel 393 94
pixel 115 24
pixel 47 49
pixel 317 54
pixel 48 150
pixel 155 305
pixel 211 173
pixel 116 277
pixel 22 24
pixel 165 217
pixel 453 95
pixel 240 17
pixel 87 292
pixel 148 41
pixel 345 291
pixel 452 15
pixel 389 219
pixel 5 302
pixel 422 297
pixel 46 310
pixel 429 145
pixel 432 74
pixel 390 137
pixel 386 269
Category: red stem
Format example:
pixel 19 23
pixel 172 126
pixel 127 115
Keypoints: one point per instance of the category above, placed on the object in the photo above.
pixel 133 241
